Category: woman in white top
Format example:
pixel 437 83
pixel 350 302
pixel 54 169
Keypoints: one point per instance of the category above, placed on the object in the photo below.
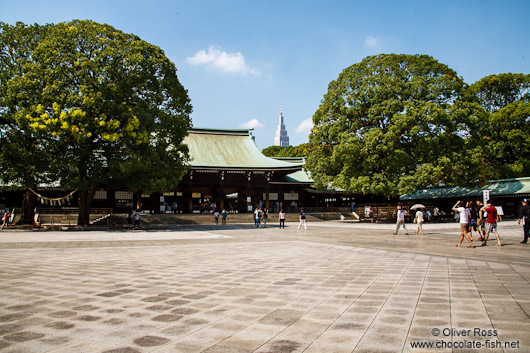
pixel 464 224
pixel 281 217
pixel 419 221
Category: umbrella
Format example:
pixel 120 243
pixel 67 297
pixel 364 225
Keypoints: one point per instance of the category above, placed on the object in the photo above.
pixel 417 206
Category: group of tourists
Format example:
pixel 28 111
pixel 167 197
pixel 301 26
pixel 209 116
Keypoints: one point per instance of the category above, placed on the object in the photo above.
pixel 472 216
pixel 261 217
pixel 475 216
pixel 133 215
pixel 223 215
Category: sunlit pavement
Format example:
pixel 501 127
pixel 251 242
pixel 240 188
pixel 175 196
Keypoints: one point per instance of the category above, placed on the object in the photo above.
pixel 335 287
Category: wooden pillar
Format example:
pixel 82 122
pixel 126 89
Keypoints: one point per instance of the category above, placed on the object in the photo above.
pixel 188 199
pixel 247 194
pixel 221 191
pixel 241 201
pixel 267 199
pixel 221 199
pixel 215 194
pixel 187 195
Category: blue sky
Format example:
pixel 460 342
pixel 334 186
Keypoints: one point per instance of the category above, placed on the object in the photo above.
pixel 241 60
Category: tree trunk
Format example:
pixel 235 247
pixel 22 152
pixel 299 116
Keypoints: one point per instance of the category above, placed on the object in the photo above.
pixel 85 198
pixel 139 199
pixel 28 207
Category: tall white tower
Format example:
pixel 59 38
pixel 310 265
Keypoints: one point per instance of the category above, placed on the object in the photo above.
pixel 281 138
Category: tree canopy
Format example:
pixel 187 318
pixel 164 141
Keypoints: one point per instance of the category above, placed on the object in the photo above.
pixel 394 123
pixel 103 107
pixel 22 159
pixel 506 97
pixel 289 151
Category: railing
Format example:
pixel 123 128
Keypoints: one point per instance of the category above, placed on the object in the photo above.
pixel 101 210
pixel 71 210
pixel 327 209
pixel 50 219
pixel 66 215
pixel 58 210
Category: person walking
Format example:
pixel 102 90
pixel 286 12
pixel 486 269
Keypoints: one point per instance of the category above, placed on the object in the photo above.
pixel 137 219
pixel 5 220
pixel 524 215
pixel 223 217
pixel 281 217
pixel 491 222
pixel 463 216
pixel 473 220
pixel 265 217
pixel 481 220
pixel 129 219
pixel 257 216
pixel 419 221
pixel 400 221
pixel 302 219
pixel 216 215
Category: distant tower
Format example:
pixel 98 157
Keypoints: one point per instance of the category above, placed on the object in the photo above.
pixel 281 138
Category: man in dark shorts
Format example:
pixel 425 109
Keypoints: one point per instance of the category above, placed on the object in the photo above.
pixel 473 219
pixel 481 221
pixel 524 215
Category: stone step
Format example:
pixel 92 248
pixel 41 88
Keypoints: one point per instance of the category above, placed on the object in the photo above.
pixel 171 218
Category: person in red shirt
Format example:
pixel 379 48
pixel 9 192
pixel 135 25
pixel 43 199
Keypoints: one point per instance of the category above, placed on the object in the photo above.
pixel 491 222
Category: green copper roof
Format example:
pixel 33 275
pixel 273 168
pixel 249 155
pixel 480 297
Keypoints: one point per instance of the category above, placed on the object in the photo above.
pixel 230 149
pixel 504 187
pixel 300 176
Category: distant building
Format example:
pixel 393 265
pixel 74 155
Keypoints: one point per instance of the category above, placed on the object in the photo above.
pixel 281 138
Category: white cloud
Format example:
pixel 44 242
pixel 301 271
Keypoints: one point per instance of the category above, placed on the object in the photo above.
pixel 226 62
pixel 305 126
pixel 372 41
pixel 252 124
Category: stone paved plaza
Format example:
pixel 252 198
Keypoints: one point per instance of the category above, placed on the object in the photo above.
pixel 337 287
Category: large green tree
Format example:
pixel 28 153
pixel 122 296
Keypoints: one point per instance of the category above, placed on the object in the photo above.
pixel 394 123
pixel 506 97
pixel 109 110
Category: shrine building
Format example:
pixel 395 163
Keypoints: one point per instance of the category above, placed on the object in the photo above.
pixel 228 170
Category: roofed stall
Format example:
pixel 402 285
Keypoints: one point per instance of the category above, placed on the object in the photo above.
pixel 505 192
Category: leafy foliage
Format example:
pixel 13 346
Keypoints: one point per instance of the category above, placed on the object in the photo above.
pixel 289 151
pixel 495 92
pixel 102 107
pixel 22 158
pixel 507 98
pixel 394 123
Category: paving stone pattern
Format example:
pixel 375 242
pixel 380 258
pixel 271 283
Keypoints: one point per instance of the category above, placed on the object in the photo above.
pixel 266 293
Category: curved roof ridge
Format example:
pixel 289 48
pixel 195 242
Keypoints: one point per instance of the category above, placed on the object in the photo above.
pixel 238 132
pixel 233 149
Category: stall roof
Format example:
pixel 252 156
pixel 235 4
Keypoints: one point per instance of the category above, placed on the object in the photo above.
pixel 497 188
pixel 232 150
